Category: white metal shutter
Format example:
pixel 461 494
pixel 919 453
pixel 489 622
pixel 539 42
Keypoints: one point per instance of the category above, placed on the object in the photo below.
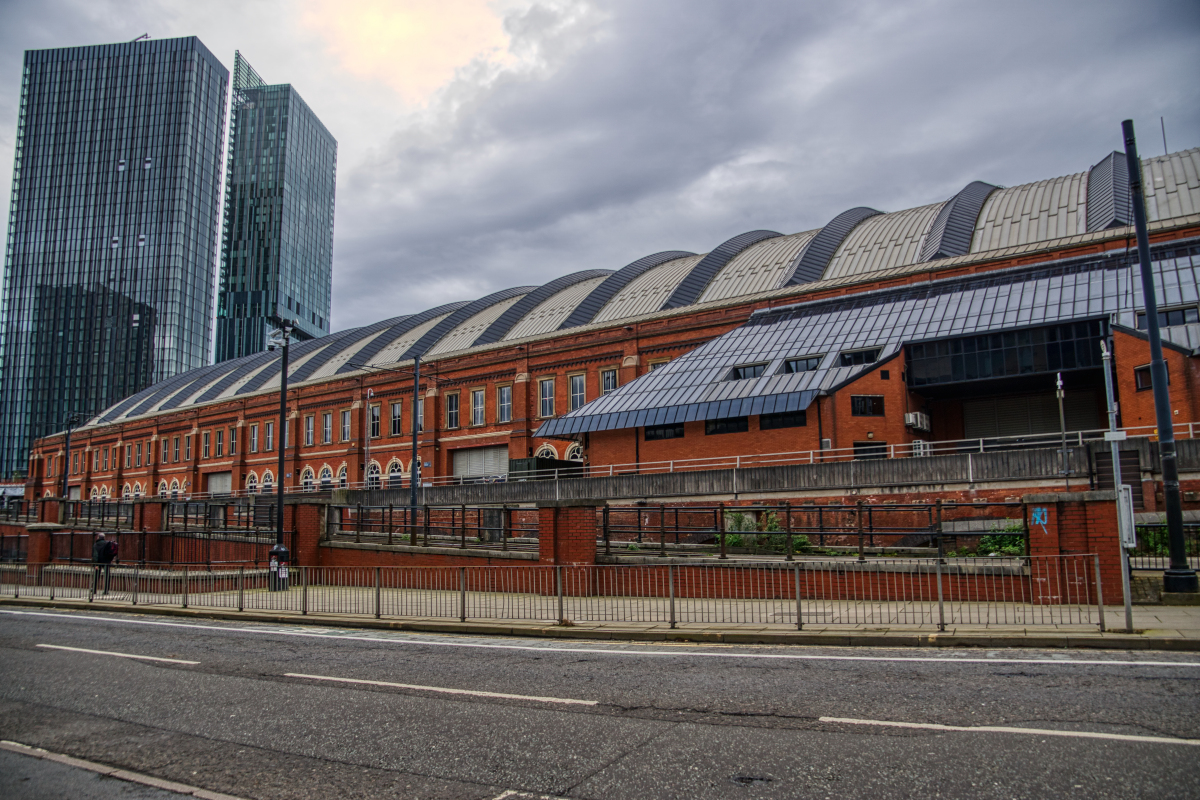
pixel 220 482
pixel 481 461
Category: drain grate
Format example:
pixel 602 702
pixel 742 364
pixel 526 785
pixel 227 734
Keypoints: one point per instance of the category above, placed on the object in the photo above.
pixel 750 780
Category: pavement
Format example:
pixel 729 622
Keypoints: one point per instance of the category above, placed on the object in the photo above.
pixel 267 711
pixel 1155 627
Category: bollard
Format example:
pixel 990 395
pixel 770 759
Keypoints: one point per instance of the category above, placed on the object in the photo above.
pixel 941 606
pixel 241 583
pixel 135 585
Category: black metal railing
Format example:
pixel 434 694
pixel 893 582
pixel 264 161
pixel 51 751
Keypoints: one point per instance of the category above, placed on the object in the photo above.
pixel 464 527
pixel 19 510
pixel 208 515
pixel 99 513
pixel 1153 552
pixel 171 548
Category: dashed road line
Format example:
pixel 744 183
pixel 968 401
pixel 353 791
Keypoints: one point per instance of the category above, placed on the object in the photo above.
pixel 933 726
pixel 116 655
pixel 445 689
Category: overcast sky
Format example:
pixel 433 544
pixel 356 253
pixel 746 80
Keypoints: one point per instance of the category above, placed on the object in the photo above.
pixel 490 144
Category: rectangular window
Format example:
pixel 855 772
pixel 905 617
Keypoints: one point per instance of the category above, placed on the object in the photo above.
pixel 608 380
pixel 373 413
pixel 219 450
pixel 75 462
pixel 205 449
pixel 866 405
pixel 106 458
pixel 546 397
pixel 577 386
pixel 327 427
pixel 187 448
pixel 713 427
pixel 138 455
pixel 746 371
pixel 504 404
pixel 671 431
pixel 452 410
pixel 95 460
pixel 397 419
pixel 269 436
pixel 309 423
pixel 420 415
pixel 786 419
pixel 233 441
pixel 1142 379
pixel 477 407
pixel 806 364
pixel 254 438
pixel 869 450
pixel 1030 351
pixel 165 453
pixel 1171 317
pixel 656 364
pixel 345 426
pixel 175 446
pixel 128 456
pixel 859 357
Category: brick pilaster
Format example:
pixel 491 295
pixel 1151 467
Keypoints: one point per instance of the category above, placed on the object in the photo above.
pixel 567 532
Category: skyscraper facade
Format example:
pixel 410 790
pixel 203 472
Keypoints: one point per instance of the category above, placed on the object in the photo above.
pixel 112 230
pixel 277 241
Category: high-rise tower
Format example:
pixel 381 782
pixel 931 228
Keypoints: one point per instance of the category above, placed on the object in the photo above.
pixel 108 270
pixel 277 242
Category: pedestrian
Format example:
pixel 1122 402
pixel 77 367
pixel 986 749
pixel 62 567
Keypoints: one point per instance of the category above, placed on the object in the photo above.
pixel 104 553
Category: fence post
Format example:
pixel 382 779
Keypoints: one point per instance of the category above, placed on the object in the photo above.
pixel 721 528
pixel 304 590
pixel 425 528
pixel 463 529
pixel 391 528
pixel 241 587
pixel 1099 591
pixel 135 585
pixel 558 579
pixel 462 594
pixel 358 523
pixel 377 595
pixel 662 530
pixel 671 589
pixel 858 515
pixel 607 539
pixel 53 583
pixel 799 619
pixel 185 587
pixel 505 525
pixel 410 515
pixel 787 526
pixel 941 605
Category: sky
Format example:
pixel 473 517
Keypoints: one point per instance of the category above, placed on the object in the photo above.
pixel 483 145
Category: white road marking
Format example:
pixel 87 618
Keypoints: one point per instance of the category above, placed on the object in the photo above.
pixel 1063 661
pixel 444 690
pixel 118 655
pixel 113 772
pixel 514 794
pixel 933 726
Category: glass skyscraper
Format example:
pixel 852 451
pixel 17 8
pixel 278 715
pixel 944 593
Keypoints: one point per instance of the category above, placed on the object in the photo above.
pixel 277 242
pixel 112 230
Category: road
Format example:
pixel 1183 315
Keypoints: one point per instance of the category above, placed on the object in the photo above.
pixel 267 711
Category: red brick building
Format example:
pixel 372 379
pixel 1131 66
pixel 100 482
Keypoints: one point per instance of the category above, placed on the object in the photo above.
pixel 529 371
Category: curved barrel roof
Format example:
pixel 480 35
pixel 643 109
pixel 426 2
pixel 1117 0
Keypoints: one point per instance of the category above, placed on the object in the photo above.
pixel 859 244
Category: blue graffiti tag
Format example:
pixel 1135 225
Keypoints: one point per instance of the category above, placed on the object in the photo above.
pixel 1040 517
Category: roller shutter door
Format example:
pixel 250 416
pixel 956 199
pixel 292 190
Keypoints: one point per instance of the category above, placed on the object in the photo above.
pixel 481 461
pixel 1025 415
pixel 220 482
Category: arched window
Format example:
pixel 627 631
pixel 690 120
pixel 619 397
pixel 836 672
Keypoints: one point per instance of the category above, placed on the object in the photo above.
pixel 268 482
pixel 162 489
pixel 127 491
pixel 326 477
pixel 575 452
pixel 342 477
pixel 373 476
pixel 395 475
pixel 95 493
pixel 137 489
pixel 547 451
pixel 307 479
pixel 251 484
pixel 174 489
pixel 104 492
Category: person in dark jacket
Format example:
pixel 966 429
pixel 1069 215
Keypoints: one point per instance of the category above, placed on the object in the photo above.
pixel 104 553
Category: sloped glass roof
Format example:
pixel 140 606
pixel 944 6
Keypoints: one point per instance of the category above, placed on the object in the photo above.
pixel 695 386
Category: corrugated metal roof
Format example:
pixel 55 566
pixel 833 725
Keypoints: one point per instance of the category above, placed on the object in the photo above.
pixel 551 313
pixel 518 311
pixel 758 268
pixel 882 242
pixel 391 353
pixel 1172 184
pixel 469 329
pixel 648 291
pixel 1032 212
pixel 693 285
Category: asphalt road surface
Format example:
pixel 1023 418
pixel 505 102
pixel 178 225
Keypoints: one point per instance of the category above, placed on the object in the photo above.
pixel 278 711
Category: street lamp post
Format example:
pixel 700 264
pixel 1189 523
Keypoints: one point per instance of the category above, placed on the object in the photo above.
pixel 1179 576
pixel 280 556
pixel 414 467
pixel 72 421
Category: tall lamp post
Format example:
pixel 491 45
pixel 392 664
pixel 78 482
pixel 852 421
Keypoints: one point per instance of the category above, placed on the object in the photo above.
pixel 280 556
pixel 1179 576
pixel 72 421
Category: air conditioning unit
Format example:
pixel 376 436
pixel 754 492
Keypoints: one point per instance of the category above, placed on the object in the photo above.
pixel 920 447
pixel 826 444
pixel 917 420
